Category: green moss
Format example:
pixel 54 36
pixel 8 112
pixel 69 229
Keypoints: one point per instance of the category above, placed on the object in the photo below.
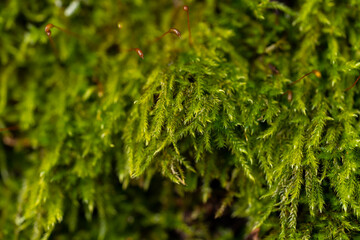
pixel 191 142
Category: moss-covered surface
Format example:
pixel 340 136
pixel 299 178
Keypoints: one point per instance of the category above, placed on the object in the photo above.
pixel 193 141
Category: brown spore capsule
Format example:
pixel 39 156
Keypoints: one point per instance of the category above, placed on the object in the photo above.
pixel 289 95
pixel 317 73
pixel 48 33
pixel 175 31
pixel 138 51
pixel 171 30
pixel 48 29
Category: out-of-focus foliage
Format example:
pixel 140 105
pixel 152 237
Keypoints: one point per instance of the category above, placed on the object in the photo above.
pixel 191 142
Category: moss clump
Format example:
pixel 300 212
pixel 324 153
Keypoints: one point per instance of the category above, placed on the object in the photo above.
pixel 191 142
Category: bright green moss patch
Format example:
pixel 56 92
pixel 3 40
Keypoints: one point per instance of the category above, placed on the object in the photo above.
pixel 191 142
